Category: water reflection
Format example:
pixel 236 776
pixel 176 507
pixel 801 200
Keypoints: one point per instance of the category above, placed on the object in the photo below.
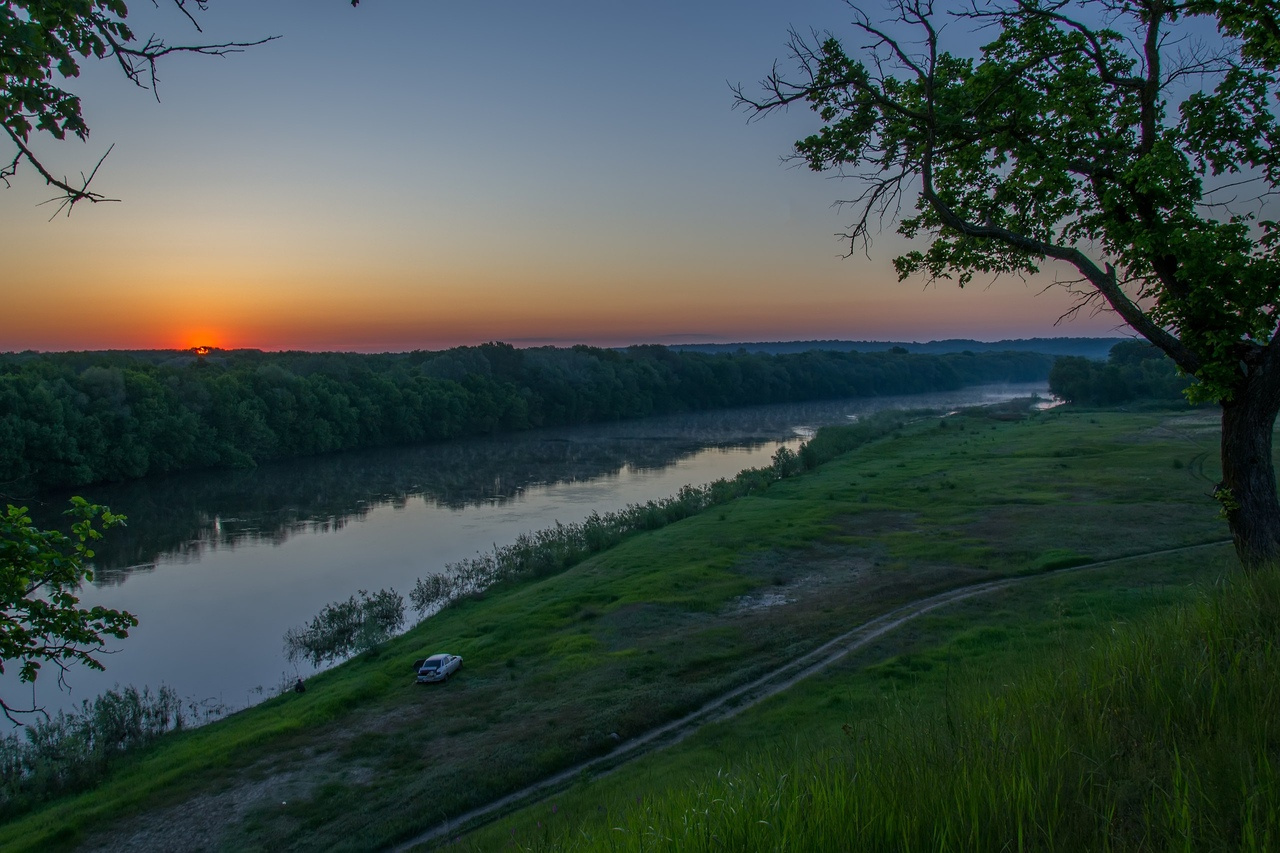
pixel 180 518
pixel 220 564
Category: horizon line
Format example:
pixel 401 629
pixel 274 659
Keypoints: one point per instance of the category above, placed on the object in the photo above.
pixel 567 343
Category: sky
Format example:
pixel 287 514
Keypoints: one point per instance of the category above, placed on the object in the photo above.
pixel 415 174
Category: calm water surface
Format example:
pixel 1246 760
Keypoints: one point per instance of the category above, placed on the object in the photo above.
pixel 216 566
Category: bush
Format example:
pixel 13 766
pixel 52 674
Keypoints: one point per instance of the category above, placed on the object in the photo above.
pixel 73 750
pixel 344 628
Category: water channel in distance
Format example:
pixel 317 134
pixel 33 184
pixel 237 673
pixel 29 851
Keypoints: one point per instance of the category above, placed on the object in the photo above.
pixel 217 565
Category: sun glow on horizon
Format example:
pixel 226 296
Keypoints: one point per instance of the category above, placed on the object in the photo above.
pixel 201 340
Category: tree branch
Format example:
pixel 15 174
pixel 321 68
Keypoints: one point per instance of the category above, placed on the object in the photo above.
pixel 71 194
pixel 1104 280
pixel 53 47
pixel 134 61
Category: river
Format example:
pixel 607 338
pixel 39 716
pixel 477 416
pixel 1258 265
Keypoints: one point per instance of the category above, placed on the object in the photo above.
pixel 217 565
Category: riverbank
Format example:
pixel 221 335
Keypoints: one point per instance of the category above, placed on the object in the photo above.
pixel 275 544
pixel 658 626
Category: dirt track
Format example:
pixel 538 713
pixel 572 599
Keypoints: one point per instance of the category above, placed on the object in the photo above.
pixel 743 697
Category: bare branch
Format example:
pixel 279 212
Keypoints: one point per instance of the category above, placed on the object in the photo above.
pixel 202 5
pixel 71 194
pixel 10 712
pixel 135 62
pixel 880 201
pixel 781 92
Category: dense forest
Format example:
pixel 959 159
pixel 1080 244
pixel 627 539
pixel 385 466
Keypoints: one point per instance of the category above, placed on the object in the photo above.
pixel 73 419
pixel 1134 370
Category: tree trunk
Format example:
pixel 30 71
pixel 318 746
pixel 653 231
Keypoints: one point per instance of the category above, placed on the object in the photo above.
pixel 1248 488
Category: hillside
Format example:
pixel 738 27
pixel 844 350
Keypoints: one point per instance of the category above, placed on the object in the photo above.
pixel 572 666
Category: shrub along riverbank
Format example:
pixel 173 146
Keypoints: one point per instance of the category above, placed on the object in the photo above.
pixel 74 750
pixel 74 419
pixel 562 667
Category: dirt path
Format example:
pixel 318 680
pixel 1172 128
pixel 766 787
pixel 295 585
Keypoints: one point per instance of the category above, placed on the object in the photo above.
pixel 743 697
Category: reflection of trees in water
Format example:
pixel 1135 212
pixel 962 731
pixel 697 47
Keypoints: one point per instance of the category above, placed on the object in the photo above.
pixel 180 517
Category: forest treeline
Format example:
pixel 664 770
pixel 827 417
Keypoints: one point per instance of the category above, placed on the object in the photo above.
pixel 1133 371
pixel 74 419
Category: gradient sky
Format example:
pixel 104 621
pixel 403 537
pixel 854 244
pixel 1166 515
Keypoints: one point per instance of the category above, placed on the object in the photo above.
pixel 421 174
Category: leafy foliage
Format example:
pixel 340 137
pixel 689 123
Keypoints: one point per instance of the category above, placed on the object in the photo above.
pixel 1060 141
pixel 1109 137
pixel 42 43
pixel 40 573
pixel 344 628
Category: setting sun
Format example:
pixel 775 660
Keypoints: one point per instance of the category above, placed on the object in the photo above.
pixel 201 341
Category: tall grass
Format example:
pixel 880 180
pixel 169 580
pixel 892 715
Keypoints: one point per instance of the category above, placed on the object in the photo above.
pixel 1163 735
pixel 75 749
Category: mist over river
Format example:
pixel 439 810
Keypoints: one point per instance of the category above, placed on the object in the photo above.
pixel 217 565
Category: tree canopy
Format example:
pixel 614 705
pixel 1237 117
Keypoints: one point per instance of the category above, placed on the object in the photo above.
pixel 1129 143
pixel 41 621
pixel 1135 371
pixel 75 419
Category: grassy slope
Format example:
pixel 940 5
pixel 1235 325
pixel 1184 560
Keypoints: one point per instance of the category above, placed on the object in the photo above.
pixel 870 754
pixel 1084 712
pixel 655 626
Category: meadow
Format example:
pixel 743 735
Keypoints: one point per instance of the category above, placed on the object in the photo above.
pixel 1092 710
pixel 566 668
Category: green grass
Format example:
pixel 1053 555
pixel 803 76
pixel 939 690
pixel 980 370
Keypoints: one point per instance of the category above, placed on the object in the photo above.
pixel 1145 719
pixel 653 628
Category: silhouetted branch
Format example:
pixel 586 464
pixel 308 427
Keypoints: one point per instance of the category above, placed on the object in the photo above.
pixel 134 62
pixel 71 194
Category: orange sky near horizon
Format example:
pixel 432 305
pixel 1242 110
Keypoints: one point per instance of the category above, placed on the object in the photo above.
pixel 181 301
pixel 273 200
pixel 341 324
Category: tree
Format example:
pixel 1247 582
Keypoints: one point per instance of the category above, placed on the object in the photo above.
pixel 42 43
pixel 42 622
pixel 1135 370
pixel 1129 142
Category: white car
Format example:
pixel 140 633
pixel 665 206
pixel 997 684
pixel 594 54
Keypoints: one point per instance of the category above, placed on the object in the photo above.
pixel 437 668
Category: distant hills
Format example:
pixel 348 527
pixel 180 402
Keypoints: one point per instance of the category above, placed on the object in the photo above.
pixel 1087 347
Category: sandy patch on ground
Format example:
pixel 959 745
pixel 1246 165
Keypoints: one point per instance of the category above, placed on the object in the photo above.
pixel 202 822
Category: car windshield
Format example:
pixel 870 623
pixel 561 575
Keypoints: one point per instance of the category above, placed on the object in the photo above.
pixel 431 664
